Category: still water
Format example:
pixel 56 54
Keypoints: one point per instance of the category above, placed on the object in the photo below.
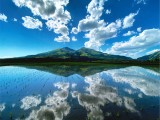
pixel 79 93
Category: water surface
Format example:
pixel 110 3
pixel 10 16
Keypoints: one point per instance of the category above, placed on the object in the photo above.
pixel 79 93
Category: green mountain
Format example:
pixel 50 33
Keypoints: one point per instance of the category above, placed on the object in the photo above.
pixel 58 53
pixel 152 57
pixel 83 53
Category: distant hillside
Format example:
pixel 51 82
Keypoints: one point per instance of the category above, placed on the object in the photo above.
pixel 58 53
pixel 152 57
pixel 85 53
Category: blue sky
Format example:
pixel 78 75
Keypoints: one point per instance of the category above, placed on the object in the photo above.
pixel 122 27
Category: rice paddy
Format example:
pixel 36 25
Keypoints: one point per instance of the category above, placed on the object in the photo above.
pixel 128 93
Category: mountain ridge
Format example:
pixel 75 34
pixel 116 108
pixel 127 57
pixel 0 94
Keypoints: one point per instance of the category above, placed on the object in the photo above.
pixel 82 56
pixel 66 52
pixel 151 57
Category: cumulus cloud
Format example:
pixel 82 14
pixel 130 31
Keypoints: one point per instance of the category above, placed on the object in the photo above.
pixel 2 107
pixel 97 30
pixel 129 20
pixel 108 11
pixel 97 95
pixel 153 51
pixel 62 39
pixel 136 44
pixel 130 104
pixel 43 8
pixel 62 85
pixel 43 113
pixel 59 25
pixel 98 36
pixel 103 92
pixel 92 24
pixel 95 8
pixel 140 1
pixel 129 91
pixel 56 106
pixel 74 38
pixel 129 33
pixel 3 17
pixel 15 20
pixel 53 12
pixel 31 23
pixel 139 29
pixel 147 81
pixel 74 30
pixel 91 103
pixel 30 101
pixel 89 24
pixel 58 28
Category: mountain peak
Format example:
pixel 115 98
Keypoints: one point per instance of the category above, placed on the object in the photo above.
pixel 67 49
pixel 82 53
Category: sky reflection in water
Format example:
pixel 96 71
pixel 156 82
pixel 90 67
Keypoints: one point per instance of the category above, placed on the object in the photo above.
pixel 122 93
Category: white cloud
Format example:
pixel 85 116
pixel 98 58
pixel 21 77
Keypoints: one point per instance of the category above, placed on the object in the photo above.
pixel 2 107
pixel 153 51
pixel 62 85
pixel 140 1
pixel 139 29
pixel 74 30
pixel 147 81
pixel 59 28
pixel 140 95
pixel 108 11
pixel 43 8
pixel 129 20
pixel 92 23
pixel 51 10
pixel 3 17
pixel 62 39
pixel 97 95
pixel 129 33
pixel 15 20
pixel 98 36
pixel 74 38
pixel 130 104
pixel 97 30
pixel 129 91
pixel 30 101
pixel 74 85
pixel 56 106
pixel 136 44
pixel 95 8
pixel 13 105
pixel 62 15
pixel 31 23
pixel 59 24
pixel 89 24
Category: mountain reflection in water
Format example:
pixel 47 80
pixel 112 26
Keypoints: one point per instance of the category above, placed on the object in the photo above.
pixel 81 93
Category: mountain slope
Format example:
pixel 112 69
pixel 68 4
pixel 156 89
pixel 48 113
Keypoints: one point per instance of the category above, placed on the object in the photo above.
pixel 58 53
pixel 90 53
pixel 86 53
pixel 152 57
